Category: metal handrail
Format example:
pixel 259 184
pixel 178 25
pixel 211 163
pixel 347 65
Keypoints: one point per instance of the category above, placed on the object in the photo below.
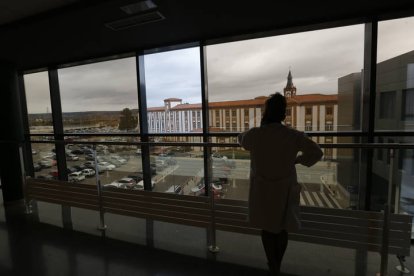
pixel 210 144
pixel 351 133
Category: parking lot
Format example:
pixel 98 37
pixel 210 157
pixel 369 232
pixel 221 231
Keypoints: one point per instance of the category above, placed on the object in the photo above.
pixel 185 170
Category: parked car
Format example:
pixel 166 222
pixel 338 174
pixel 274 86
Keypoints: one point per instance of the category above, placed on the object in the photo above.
pixel 50 155
pixel 105 166
pixel 90 157
pixel 37 167
pixel 88 172
pixel 89 164
pixel 198 189
pixel 118 158
pixel 77 151
pixel 87 151
pixel 217 186
pixel 76 177
pixel 46 163
pixel 137 177
pixel 160 165
pixel 115 185
pixel 72 157
pixel 140 185
pixel 176 189
pixel 125 182
pixel 71 170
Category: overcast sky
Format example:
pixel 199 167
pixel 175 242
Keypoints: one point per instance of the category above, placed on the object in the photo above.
pixel 238 70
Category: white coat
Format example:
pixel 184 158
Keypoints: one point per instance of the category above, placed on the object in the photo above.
pixel 274 192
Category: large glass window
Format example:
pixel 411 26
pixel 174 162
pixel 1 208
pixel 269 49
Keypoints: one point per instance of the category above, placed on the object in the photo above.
pixel 241 75
pixel 39 108
pixel 395 72
pixel 100 97
pixel 387 105
pixel 408 104
pixel 173 87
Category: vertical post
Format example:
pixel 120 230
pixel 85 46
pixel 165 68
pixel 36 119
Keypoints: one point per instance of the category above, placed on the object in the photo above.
pixel 207 150
pixel 369 77
pixel 386 221
pixel 59 139
pixel 102 226
pixel 145 152
pixel 397 191
pixel 28 208
pixel 11 135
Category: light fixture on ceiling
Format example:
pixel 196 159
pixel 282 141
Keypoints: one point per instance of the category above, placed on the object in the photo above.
pixel 135 20
pixel 138 7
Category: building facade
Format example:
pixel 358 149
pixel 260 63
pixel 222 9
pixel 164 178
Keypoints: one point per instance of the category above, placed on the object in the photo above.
pixel 308 112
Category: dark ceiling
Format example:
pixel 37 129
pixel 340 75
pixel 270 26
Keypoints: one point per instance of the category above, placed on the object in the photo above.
pixel 75 30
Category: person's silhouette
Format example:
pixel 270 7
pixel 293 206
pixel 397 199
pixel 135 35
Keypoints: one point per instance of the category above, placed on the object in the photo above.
pixel 274 192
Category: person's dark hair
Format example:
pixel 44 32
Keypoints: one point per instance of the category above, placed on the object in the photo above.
pixel 274 109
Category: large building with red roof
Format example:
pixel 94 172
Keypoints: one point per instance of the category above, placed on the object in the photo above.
pixel 309 112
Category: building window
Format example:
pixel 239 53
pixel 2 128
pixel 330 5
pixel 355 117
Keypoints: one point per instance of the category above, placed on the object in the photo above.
pixel 288 111
pixel 329 126
pixel 408 104
pixel 329 110
pixel 387 105
pixel 234 113
pixel 308 126
pixel 308 111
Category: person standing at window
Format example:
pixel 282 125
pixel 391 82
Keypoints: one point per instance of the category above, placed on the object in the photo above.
pixel 274 192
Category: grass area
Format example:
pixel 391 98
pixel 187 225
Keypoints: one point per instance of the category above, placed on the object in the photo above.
pixel 238 154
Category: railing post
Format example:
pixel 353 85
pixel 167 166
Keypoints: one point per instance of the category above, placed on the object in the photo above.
pixel 102 226
pixel 28 207
pixel 386 221
pixel 213 246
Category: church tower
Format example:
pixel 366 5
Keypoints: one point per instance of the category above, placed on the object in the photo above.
pixel 290 89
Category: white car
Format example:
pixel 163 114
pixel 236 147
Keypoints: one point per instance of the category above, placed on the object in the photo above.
pixel 46 163
pixel 76 177
pixel 216 186
pixel 118 158
pixel 72 157
pixel 115 185
pixel 140 185
pixel 198 189
pixel 125 182
pixel 105 166
pixel 88 172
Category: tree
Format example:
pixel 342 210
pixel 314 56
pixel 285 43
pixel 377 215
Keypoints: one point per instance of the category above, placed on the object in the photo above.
pixel 127 121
